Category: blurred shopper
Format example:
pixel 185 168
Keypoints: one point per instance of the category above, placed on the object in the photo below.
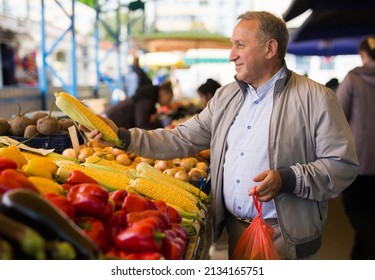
pixel 138 110
pixel 271 130
pixel 135 77
pixel 357 96
pixel 332 84
pixel 206 91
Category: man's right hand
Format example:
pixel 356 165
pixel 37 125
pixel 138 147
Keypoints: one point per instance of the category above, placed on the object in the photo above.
pixel 96 135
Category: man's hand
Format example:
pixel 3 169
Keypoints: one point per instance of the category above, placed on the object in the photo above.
pixel 96 135
pixel 269 185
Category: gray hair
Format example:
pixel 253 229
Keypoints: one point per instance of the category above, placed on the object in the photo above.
pixel 270 27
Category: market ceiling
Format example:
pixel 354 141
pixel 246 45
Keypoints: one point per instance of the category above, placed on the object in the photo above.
pixel 334 27
pixel 333 18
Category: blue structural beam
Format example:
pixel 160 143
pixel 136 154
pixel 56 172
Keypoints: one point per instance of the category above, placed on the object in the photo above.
pixel 116 82
pixel 72 87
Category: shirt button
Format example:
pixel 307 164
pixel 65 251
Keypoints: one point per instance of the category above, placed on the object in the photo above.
pixel 239 207
pixel 249 126
pixel 238 181
pixel 256 102
pixel 242 153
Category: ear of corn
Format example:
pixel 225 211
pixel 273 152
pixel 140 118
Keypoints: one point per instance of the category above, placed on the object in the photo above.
pixel 110 180
pixel 54 157
pixel 109 164
pixel 146 170
pixel 157 191
pixel 83 115
pixel 185 214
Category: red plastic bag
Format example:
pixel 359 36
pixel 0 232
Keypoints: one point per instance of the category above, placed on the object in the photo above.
pixel 256 243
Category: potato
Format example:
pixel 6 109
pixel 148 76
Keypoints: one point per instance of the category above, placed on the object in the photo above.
pixel 4 127
pixel 48 125
pixel 18 125
pixel 31 131
pixel 37 115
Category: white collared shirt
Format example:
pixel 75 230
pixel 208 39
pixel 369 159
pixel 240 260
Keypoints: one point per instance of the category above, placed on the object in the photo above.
pixel 247 150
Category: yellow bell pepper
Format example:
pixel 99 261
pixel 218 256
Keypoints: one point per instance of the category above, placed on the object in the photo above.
pixel 15 154
pixel 45 185
pixel 41 167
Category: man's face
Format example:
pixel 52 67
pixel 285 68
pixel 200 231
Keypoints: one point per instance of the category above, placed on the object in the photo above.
pixel 247 55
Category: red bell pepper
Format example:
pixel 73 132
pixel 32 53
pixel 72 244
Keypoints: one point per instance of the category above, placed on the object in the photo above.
pixel 90 200
pixel 7 163
pixel 136 203
pixel 172 213
pixel 14 179
pixel 95 229
pixel 118 197
pixel 66 186
pixel 109 209
pixel 155 217
pixel 140 237
pixel 179 230
pixel 62 203
pixel 78 177
pixel 160 205
pixel 173 246
pixel 115 224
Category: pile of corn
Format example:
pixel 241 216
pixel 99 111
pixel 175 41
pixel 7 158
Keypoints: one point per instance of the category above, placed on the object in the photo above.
pixel 144 179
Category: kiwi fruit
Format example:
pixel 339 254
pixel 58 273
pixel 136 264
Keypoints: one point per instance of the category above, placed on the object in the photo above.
pixel 4 126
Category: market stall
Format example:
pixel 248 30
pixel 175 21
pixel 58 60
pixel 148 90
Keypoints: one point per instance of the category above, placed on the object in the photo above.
pixel 92 202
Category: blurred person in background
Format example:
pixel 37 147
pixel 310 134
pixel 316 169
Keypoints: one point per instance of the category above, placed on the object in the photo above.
pixel 206 91
pixel 332 84
pixel 272 131
pixel 138 110
pixel 135 77
pixel 357 96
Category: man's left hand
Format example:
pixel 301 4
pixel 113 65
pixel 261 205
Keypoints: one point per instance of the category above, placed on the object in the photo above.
pixel 269 185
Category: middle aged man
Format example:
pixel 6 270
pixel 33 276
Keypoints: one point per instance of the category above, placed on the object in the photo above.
pixel 270 128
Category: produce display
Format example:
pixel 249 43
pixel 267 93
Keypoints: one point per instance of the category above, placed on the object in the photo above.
pixel 95 202
pixel 100 203
pixel 38 124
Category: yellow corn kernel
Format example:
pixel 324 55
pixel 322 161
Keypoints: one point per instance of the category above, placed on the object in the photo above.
pixel 78 112
pixel 156 175
pixel 157 191
pixel 108 179
pixel 110 164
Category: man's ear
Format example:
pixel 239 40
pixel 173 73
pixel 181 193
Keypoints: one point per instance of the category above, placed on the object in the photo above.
pixel 272 47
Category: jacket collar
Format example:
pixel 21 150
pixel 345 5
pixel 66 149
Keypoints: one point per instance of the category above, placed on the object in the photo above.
pixel 279 86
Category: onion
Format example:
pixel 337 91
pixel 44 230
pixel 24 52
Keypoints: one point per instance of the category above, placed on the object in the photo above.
pixel 124 159
pixel 116 152
pixel 202 165
pixel 84 153
pixel 195 174
pixel 163 165
pixel 188 163
pixel 182 175
pixel 69 152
